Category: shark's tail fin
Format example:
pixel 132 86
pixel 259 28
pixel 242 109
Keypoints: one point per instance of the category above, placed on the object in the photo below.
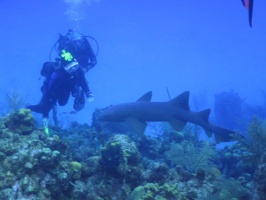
pixel 222 134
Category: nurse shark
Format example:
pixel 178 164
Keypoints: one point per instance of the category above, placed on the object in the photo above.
pixel 176 112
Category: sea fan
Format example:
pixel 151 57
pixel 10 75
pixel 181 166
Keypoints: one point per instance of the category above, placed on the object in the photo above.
pixel 191 157
pixel 255 139
pixel 14 99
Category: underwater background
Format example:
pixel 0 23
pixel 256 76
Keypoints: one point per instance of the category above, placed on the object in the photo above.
pixel 167 47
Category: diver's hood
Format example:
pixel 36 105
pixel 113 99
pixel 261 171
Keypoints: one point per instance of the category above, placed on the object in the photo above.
pixel 74 36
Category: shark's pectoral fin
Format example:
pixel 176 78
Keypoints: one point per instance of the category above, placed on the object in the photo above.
pixel 138 126
pixel 177 124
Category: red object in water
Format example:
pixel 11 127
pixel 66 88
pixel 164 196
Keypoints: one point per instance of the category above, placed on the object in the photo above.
pixel 249 5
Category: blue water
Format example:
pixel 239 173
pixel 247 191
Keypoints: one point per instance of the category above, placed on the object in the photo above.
pixel 168 47
pixel 206 47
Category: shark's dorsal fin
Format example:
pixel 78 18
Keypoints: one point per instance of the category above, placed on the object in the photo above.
pixel 146 97
pixel 181 101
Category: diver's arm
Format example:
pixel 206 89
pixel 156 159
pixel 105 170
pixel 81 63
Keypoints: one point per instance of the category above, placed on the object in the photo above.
pixel 80 76
pixel 92 61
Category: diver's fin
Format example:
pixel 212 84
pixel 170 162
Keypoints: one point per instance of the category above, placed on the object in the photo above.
pixel 250 12
pixel 138 126
pixel 249 5
pixel 146 97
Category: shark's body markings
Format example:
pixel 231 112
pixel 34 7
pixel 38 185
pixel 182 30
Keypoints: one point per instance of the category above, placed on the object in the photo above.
pixel 176 112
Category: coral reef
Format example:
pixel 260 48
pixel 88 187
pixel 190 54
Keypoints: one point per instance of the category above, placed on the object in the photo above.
pixel 253 155
pixel 154 191
pixel 95 163
pixel 254 140
pixel 199 157
pixel 120 157
pixel 260 180
pixel 20 121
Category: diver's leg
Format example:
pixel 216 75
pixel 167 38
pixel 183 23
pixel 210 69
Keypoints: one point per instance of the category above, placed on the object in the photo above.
pixel 79 101
pixel 63 96
pixel 48 99
pixel 44 106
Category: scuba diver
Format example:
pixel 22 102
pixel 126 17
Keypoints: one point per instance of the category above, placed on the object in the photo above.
pixel 66 75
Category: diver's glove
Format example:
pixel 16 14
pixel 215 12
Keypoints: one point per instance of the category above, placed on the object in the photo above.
pixel 45 126
pixel 90 97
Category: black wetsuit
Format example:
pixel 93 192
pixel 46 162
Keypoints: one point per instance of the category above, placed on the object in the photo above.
pixel 59 84
pixel 83 54
pixel 57 88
